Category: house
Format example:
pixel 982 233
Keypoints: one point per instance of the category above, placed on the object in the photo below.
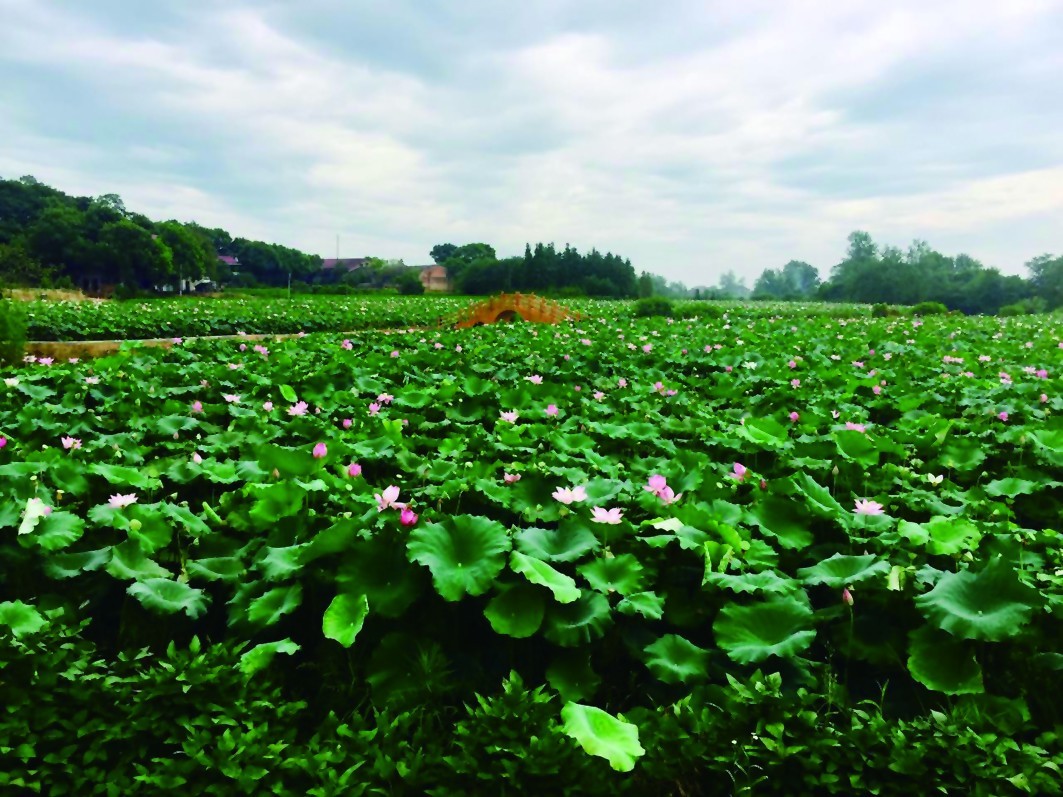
pixel 230 261
pixel 332 264
pixel 435 279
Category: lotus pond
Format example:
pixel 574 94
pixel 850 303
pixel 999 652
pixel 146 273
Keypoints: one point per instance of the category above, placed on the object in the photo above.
pixel 627 519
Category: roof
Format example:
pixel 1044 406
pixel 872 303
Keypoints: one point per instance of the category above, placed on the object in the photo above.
pixel 229 260
pixel 350 263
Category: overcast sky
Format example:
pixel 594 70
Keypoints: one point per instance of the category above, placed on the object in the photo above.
pixel 693 136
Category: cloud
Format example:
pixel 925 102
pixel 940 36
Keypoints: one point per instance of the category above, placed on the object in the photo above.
pixel 693 139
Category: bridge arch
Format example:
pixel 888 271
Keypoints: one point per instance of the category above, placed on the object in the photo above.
pixel 508 307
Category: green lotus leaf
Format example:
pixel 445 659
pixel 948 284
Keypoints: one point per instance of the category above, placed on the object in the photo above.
pixel 777 627
pixel 572 675
pixel 517 612
pixel 782 519
pixel 567 544
pixel 259 657
pixel 280 563
pixel 129 562
pixel 69 565
pixel 464 554
pixel 765 432
pixel 577 623
pixel 991 604
pixel 166 596
pixel 123 476
pixel 675 660
pixel 288 393
pixel 765 581
pixel 857 447
pixel 622 574
pixel 380 570
pixel 271 606
pixel 943 663
pixel 57 531
pixel 644 604
pixel 344 618
pixel 602 735
pixel 217 568
pixel 1010 487
pixel 563 587
pixel 951 535
pixel 840 570
pixel 819 498
pixel 20 617
pixel 34 512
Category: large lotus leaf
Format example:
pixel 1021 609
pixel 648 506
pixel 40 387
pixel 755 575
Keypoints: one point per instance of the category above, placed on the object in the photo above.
pixel 260 656
pixel 69 565
pixel 517 612
pixel 766 432
pixel 950 535
pixel 766 581
pixel 130 563
pixel 962 455
pixel 857 446
pixel 1048 443
pixel 567 544
pixel 782 519
pixel 840 570
pixel 275 501
pixel 819 498
pixel 280 563
pixel 34 512
pixel 943 663
pixel 646 604
pixel 58 530
pixel 20 617
pixel 379 569
pixel 675 660
pixel 991 604
pixel 288 461
pixel 579 622
pixel 344 618
pixel 464 554
pixel 777 627
pixel 603 735
pixel 622 574
pixel 537 572
pixel 271 606
pixel 572 675
pixel 1010 487
pixel 124 476
pixel 165 596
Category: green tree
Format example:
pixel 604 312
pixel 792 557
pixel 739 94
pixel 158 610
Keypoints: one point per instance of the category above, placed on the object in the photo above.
pixel 409 282
pixel 134 256
pixel 193 253
pixel 1046 275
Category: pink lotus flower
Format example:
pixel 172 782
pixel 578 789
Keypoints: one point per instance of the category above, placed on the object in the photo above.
pixel 267 406
pixel 46 361
pixel 3 442
pixel 71 442
pixel 535 379
pixel 656 484
pixel 865 507
pixel 177 341
pixel 792 364
pixel 299 408
pixel 728 368
pixel 551 409
pixel 510 417
pixel 1044 398
pixel 608 516
pixel 458 349
pixel 243 347
pixel 739 472
pixel 119 501
pixel 877 389
pixel 795 383
pixel 232 398
pixel 510 478
pixel 197 458
pixel 855 427
pixel 320 450
pixel 407 517
pixel 347 423
pixel 197 407
pixel 374 408
pixel 668 496
pixel 437 345
pixel 648 348
pixel 92 380
pixel 262 350
pixel 598 395
pixel 395 353
pixel 385 398
pixel 847 597
pixel 347 345
pixel 621 382
pixel 354 470
pixel 794 417
pixel 1003 416
pixel 389 499
pixel 570 495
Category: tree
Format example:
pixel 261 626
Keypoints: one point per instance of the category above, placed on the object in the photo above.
pixel 1046 274
pixel 645 285
pixel 801 279
pixel 134 256
pixel 441 253
pixel 732 287
pixel 18 267
pixel 409 282
pixel 193 254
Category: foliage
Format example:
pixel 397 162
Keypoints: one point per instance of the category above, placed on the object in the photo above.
pixel 409 283
pixel 653 306
pixel 929 308
pixel 12 331
pixel 680 552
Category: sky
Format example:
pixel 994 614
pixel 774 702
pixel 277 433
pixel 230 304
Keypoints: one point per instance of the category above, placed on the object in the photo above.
pixel 692 136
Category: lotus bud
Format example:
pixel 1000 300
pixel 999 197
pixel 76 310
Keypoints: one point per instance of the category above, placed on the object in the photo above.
pixel 134 525
pixel 847 597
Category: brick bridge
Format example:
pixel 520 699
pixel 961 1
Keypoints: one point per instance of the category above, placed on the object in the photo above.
pixel 507 307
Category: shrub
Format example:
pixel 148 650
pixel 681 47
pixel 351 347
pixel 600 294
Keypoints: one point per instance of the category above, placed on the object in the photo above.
pixel 929 308
pixel 653 306
pixel 12 331
pixel 409 283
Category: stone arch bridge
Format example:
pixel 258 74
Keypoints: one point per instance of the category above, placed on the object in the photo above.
pixel 508 307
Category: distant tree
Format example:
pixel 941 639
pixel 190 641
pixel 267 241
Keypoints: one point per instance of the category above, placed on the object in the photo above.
pixel 1046 275
pixel 645 285
pixel 19 267
pixel 441 253
pixel 409 282
pixel 193 253
pixel 732 287
pixel 134 257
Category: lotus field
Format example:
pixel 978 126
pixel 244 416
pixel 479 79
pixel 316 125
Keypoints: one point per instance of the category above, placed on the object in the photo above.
pixel 690 556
